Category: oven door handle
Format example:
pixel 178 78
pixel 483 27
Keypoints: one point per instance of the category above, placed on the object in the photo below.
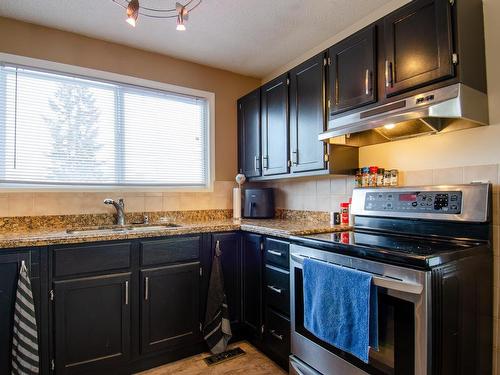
pixel 378 280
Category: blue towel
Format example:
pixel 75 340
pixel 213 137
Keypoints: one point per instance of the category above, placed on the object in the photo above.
pixel 341 307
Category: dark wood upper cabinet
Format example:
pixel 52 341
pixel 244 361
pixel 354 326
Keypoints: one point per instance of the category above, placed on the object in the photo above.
pixel 418 45
pixel 252 284
pixel 249 156
pixel 170 306
pixel 307 115
pixel 274 111
pixel 92 324
pixel 352 72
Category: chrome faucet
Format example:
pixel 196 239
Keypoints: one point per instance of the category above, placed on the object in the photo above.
pixel 120 210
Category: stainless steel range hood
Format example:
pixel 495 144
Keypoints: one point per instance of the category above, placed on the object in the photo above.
pixel 446 109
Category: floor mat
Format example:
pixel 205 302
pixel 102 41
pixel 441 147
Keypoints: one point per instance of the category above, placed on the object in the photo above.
pixel 224 356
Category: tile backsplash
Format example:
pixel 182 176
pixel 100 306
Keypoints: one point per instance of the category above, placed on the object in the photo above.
pixel 68 203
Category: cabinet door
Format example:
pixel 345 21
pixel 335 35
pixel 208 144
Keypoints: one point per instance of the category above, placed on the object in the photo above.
pixel 352 72
pixel 92 324
pixel 9 271
pixel 170 306
pixel 307 115
pixel 249 134
pixel 418 45
pixel 252 284
pixel 230 246
pixel 274 109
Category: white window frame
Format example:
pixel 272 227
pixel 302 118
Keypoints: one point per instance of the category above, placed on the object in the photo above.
pixel 124 79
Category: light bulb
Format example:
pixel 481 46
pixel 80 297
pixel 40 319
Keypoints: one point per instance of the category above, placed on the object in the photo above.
pixel 180 23
pixel 132 12
pixel 390 126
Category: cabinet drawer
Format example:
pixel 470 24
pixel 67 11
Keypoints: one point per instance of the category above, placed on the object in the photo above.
pixel 277 334
pixel 91 258
pixel 170 250
pixel 277 289
pixel 276 252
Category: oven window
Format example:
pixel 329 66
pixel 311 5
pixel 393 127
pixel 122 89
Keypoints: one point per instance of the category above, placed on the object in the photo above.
pixel 396 325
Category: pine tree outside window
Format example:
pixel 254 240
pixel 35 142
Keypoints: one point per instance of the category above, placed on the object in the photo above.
pixel 64 130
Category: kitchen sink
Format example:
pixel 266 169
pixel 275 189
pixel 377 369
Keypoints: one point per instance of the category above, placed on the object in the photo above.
pixel 122 228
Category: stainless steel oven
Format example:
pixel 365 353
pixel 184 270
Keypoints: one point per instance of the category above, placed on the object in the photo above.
pixel 429 252
pixel 403 320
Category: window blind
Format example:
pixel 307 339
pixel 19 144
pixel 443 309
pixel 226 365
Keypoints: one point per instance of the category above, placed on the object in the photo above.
pixel 60 129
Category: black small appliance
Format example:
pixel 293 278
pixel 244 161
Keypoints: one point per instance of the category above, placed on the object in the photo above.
pixel 258 203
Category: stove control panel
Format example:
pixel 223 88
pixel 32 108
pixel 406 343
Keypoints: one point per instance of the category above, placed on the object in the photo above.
pixel 442 202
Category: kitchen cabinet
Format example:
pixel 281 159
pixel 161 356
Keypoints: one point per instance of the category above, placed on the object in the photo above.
pixel 170 306
pixel 352 72
pixel 252 284
pixel 249 137
pixel 418 44
pixel 10 263
pixel 307 115
pixel 275 126
pixel 92 323
pixel 230 247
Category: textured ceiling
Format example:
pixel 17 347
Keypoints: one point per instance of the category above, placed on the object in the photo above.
pixel 252 37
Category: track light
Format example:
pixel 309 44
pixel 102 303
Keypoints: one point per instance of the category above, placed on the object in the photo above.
pixel 132 12
pixel 180 23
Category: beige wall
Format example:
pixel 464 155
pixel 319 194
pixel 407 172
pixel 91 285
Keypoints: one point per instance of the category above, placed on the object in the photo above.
pixel 54 45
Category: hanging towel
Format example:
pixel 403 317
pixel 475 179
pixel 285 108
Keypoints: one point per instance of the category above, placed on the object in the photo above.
pixel 341 307
pixel 25 359
pixel 217 328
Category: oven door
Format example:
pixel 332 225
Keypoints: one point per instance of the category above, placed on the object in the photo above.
pixel 403 323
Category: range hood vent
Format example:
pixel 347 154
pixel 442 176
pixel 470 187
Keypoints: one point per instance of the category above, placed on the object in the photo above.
pixel 446 109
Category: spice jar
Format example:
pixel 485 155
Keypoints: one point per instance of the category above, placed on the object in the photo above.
pixel 372 180
pixel 365 177
pixel 344 213
pixel 380 177
pixel 387 177
pixel 358 181
pixel 394 177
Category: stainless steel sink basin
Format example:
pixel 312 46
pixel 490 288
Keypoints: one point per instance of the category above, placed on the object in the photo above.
pixel 122 229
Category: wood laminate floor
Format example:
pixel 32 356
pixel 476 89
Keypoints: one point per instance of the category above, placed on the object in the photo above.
pixel 252 363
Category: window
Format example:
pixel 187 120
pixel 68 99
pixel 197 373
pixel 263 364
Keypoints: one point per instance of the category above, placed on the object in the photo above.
pixel 61 129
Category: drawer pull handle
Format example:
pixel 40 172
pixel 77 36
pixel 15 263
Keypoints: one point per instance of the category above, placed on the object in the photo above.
pixel 274 334
pixel 277 253
pixel 146 288
pixel 274 289
pixel 126 292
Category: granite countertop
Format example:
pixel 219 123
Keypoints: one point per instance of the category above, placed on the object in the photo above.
pixel 272 227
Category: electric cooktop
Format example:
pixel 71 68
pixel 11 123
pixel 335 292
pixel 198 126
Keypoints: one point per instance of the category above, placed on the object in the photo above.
pixel 397 249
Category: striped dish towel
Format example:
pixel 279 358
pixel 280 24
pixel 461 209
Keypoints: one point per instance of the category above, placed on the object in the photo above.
pixel 217 328
pixel 25 359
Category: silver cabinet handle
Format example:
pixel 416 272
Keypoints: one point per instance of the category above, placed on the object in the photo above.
pixel 367 82
pixel 337 99
pixel 256 163
pixel 126 292
pixel 146 288
pixel 265 162
pixel 277 253
pixel 274 289
pixel 273 332
pixel 388 73
pixel 295 157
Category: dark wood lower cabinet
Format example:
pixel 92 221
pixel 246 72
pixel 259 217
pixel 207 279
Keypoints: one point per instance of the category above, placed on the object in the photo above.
pixel 252 284
pixel 92 324
pixel 169 306
pixel 142 304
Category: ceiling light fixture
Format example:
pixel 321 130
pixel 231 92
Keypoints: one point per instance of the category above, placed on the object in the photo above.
pixel 132 12
pixel 180 12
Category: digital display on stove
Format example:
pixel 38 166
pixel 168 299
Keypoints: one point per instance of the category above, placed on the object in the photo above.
pixel 407 197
